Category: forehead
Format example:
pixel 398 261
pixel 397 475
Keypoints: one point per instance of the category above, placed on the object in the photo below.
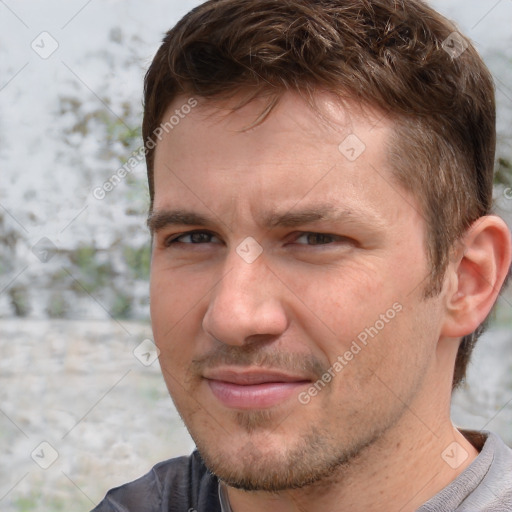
pixel 336 154
pixel 327 120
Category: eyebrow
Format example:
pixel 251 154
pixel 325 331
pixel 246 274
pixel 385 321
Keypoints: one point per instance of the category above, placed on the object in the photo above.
pixel 293 219
pixel 161 219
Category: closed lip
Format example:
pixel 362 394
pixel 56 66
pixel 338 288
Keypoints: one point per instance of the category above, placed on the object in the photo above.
pixel 248 377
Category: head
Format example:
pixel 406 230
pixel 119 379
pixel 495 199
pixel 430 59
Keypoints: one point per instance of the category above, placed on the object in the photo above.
pixel 270 87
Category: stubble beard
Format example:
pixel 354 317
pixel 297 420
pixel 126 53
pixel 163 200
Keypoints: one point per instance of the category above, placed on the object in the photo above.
pixel 319 454
pixel 314 459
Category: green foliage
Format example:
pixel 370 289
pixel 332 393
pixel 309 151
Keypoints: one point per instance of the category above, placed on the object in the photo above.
pixel 122 307
pixel 503 173
pixel 151 389
pixel 502 312
pixel 19 300
pixel 93 275
pixel 60 278
pixel 58 306
pixel 116 128
pixel 26 504
pixel 138 260
pixel 36 500
pixel 138 197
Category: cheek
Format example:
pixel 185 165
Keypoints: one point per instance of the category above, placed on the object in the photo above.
pixel 174 292
pixel 175 317
pixel 394 359
pixel 337 306
pixel 361 323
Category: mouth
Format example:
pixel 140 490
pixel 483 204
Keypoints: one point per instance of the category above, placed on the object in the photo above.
pixel 253 389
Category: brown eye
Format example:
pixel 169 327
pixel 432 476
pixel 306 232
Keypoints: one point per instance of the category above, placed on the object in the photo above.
pixel 193 237
pixel 318 239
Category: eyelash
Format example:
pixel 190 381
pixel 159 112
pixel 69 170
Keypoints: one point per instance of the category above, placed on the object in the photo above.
pixel 176 238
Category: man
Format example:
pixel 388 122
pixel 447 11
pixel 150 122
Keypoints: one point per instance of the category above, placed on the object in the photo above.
pixel 324 258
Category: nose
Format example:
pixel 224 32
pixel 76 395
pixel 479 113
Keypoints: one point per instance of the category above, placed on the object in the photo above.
pixel 246 305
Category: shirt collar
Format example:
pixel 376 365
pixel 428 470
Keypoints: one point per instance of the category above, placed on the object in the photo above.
pixel 223 498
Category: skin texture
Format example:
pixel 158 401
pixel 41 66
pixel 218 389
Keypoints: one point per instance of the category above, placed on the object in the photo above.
pixel 342 245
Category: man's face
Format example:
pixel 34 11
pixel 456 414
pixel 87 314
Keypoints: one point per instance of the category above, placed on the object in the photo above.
pixel 287 288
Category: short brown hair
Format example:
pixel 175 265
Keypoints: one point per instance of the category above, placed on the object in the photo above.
pixel 390 54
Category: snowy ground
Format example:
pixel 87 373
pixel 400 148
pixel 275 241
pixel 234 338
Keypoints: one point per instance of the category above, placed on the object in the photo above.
pixel 79 387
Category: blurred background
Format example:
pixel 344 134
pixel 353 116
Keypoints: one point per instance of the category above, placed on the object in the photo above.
pixel 83 407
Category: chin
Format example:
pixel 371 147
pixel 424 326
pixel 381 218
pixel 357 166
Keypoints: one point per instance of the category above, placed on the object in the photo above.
pixel 266 461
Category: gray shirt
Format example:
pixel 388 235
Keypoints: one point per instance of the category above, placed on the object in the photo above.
pixel 484 486
pixel 184 484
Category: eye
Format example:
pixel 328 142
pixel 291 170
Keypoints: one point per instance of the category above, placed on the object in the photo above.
pixel 319 239
pixel 192 237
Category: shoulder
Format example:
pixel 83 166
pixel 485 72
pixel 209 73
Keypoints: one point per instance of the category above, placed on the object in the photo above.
pixel 178 484
pixel 485 485
pixel 495 488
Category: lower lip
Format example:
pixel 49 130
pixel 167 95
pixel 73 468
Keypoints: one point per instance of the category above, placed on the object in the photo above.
pixel 255 396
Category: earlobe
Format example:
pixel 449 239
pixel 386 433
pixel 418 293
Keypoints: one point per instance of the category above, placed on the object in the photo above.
pixel 476 275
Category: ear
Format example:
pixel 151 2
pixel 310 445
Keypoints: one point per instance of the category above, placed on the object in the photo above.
pixel 477 275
